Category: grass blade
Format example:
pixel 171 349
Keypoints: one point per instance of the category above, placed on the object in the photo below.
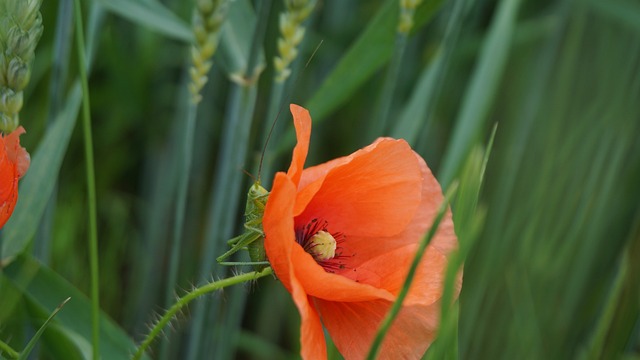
pixel 367 55
pixel 482 89
pixel 32 343
pixel 43 289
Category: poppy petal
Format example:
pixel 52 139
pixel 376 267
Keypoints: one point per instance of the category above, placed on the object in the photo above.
pixel 426 287
pixel 7 174
pixel 444 241
pixel 14 162
pixel 312 341
pixel 376 193
pixel 16 153
pixel 353 325
pixel 325 285
pixel 7 204
pixel 302 123
pixel 284 253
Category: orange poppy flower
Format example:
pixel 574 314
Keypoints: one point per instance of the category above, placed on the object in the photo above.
pixel 341 236
pixel 14 162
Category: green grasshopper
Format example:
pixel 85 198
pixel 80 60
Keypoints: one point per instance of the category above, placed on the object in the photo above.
pixel 252 238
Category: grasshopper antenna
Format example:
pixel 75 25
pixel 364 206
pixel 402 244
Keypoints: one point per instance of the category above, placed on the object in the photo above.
pixel 250 175
pixel 273 124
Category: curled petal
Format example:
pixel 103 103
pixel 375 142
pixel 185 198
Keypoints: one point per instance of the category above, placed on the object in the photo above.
pixel 302 123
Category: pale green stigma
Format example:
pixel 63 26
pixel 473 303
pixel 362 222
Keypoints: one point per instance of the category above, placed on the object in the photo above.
pixel 322 246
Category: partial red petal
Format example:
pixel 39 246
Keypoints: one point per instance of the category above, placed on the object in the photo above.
pixel 353 325
pixel 8 203
pixel 14 162
pixel 17 154
pixel 7 174
pixel 302 123
pixel 375 193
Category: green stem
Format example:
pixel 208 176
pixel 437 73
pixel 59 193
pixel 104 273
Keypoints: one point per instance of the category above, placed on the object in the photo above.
pixel 9 350
pixel 383 113
pixel 91 185
pixel 196 293
pixel 397 305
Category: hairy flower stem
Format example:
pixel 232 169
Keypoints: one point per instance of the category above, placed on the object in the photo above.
pixel 385 325
pixel 194 294
pixel 91 186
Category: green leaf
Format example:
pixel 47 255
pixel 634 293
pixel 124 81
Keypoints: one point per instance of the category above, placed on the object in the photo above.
pixel 369 53
pixel 153 15
pixel 44 289
pixel 37 185
pixel 481 90
pixel 624 12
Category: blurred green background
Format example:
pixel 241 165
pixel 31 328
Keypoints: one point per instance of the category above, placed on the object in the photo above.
pixel 551 252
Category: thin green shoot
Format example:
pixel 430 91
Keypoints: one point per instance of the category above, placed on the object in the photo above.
pixel 91 185
pixel 24 355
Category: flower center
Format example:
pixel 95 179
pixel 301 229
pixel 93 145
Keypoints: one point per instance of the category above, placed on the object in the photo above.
pixel 321 244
